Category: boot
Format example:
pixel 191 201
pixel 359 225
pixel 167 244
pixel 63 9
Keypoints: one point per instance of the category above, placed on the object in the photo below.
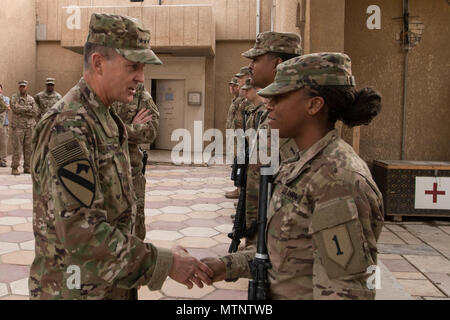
pixel 3 164
pixel 15 172
pixel 232 194
pixel 26 171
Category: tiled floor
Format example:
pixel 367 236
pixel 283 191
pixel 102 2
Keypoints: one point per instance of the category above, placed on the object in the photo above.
pixel 186 206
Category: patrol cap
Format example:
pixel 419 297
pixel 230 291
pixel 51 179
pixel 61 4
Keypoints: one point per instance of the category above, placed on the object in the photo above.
pixel 23 83
pixel 323 69
pixel 234 81
pixel 247 85
pixel 126 35
pixel 50 81
pixel 243 72
pixel 280 42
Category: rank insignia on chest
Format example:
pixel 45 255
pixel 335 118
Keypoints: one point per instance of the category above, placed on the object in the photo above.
pixel 78 178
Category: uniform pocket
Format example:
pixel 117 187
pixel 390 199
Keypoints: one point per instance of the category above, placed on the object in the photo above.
pixel 111 181
pixel 289 241
pixel 338 237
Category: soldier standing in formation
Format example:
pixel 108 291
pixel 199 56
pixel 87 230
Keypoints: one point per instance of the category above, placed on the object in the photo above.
pixel 141 119
pixel 235 115
pixel 270 49
pixel 4 107
pixel 233 86
pixel 83 199
pixel 326 212
pixel 47 98
pixel 23 120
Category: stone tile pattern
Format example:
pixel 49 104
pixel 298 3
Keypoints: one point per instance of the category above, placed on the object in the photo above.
pixel 417 252
pixel 187 206
pixel 184 206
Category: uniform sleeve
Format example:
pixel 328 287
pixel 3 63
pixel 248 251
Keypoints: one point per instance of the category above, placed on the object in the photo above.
pixel 346 224
pixel 2 104
pixel 147 132
pixel 238 264
pixel 19 109
pixel 111 254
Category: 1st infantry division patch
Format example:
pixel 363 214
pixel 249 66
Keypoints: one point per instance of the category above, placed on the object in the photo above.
pixel 78 178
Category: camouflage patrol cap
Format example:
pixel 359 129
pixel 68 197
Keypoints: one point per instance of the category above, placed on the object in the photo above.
pixel 243 72
pixel 126 35
pixel 23 83
pixel 247 85
pixel 279 42
pixel 234 81
pixel 323 69
pixel 50 81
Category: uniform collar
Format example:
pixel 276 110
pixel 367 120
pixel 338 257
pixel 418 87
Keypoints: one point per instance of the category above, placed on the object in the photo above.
pixel 100 110
pixel 305 156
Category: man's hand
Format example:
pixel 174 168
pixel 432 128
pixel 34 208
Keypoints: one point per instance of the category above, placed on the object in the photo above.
pixel 141 117
pixel 188 270
pixel 217 266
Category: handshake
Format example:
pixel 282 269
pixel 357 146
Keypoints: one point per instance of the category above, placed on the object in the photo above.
pixel 188 270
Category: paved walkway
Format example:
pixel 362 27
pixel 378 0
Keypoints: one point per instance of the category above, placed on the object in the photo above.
pixel 186 206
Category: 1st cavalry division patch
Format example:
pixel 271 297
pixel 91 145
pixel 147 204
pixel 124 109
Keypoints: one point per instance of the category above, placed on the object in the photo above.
pixel 78 178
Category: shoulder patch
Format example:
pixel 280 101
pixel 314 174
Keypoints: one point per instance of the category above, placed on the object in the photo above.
pixel 66 151
pixel 77 176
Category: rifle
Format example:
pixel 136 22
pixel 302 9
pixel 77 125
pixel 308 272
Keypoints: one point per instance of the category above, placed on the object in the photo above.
pixel 234 169
pixel 239 226
pixel 144 161
pixel 258 287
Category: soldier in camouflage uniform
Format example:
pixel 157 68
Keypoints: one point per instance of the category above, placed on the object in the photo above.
pixel 3 141
pixel 234 91
pixel 256 107
pixel 84 218
pixel 141 129
pixel 326 212
pixel 236 113
pixel 270 49
pixel 46 99
pixel 23 114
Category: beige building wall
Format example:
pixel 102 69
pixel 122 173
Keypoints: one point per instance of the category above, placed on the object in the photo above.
pixel 59 63
pixel 378 61
pixel 18 45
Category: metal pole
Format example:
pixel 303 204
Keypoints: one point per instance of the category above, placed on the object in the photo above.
pixel 405 71
pixel 258 16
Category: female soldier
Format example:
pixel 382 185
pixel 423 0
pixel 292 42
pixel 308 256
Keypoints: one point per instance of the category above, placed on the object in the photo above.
pixel 326 212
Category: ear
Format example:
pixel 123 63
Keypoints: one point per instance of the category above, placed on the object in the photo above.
pixel 276 62
pixel 316 104
pixel 97 62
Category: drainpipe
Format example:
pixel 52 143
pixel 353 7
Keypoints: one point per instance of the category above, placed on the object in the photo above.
pixel 405 72
pixel 272 15
pixel 258 16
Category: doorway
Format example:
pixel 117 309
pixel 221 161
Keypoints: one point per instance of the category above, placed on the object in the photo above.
pixel 170 99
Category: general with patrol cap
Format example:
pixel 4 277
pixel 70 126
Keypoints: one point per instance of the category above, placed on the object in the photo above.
pixel 84 218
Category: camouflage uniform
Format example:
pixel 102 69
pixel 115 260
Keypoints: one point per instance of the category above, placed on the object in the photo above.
pixel 46 100
pixel 232 108
pixel 326 212
pixel 267 42
pixel 22 123
pixel 3 144
pixel 139 134
pixel 83 199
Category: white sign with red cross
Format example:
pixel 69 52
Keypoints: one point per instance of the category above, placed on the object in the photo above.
pixel 432 193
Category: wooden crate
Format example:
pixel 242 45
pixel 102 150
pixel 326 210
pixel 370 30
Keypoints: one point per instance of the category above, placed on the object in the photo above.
pixel 414 188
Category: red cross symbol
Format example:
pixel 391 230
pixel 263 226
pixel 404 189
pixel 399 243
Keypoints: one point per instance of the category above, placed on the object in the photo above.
pixel 435 192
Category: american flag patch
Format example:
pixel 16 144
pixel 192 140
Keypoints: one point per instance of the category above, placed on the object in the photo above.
pixel 67 151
